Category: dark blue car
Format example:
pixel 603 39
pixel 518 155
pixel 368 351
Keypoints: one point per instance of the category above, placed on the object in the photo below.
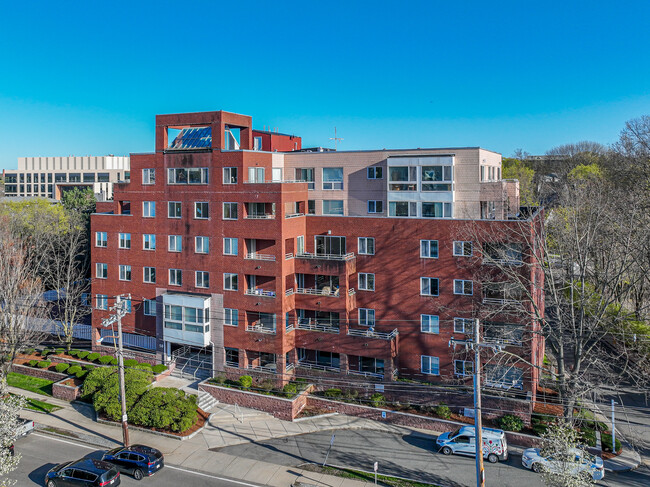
pixel 136 460
pixel 84 472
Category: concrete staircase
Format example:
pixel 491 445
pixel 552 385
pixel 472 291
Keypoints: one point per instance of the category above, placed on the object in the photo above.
pixel 206 401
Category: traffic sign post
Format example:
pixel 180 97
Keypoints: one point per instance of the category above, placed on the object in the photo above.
pixel 329 449
pixel 376 467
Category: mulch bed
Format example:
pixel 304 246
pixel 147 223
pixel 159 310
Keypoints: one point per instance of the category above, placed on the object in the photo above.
pixel 73 382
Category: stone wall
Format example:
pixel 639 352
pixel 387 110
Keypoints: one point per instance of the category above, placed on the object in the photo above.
pixel 65 392
pixel 36 372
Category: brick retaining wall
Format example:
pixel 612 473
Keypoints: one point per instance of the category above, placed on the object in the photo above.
pixel 65 392
pixel 36 372
pixel 139 356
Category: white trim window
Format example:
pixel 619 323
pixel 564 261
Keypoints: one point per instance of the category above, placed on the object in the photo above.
pixel 430 365
pixel 429 286
pixel 175 277
pixel 463 287
pixel 463 325
pixel 125 240
pixel 230 246
pixel 192 175
pixel 201 245
pixel 149 275
pixel 436 209
pixel 403 208
pixel 230 317
pixel 332 178
pixel 201 210
pixel 101 239
pixel 202 279
pixel 332 207
pixel 375 172
pixel 101 301
pixel 462 248
pixel 366 246
pixel 463 367
pixel 366 281
pixel 230 211
pixel 148 241
pixel 229 175
pixel 429 249
pixel 148 176
pixel 230 281
pixel 367 317
pixel 175 243
pixel 125 272
pixel 375 206
pixel 149 307
pixel 174 209
pixel 430 324
pixel 101 270
pixel 148 209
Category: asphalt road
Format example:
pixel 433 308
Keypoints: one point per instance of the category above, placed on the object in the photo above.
pixel 41 452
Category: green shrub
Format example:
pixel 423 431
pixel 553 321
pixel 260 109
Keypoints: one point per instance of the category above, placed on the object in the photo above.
pixel 145 365
pixel 74 370
pixel 29 351
pixel 93 357
pixel 443 411
pixel 165 408
pixel 218 379
pixel 106 359
pixel 33 363
pixel 159 368
pixel 377 400
pixel 589 437
pixel 81 374
pixel 59 351
pixel 130 362
pixel 82 354
pixel 101 385
pixel 266 385
pixel 245 381
pixel 46 351
pixel 74 352
pixel 290 390
pixel 89 367
pixel 510 422
pixel 44 364
pixel 62 367
pixel 606 441
pixel 351 395
pixel 333 393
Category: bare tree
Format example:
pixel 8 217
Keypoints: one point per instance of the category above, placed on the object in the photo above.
pixel 10 406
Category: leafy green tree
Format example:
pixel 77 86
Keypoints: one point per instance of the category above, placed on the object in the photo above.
pixel 165 408
pixel 79 200
pixel 512 168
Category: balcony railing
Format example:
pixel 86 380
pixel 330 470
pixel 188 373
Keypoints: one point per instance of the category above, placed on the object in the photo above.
pixel 306 364
pixel 507 385
pixel 256 256
pixel 260 292
pixel 339 257
pixel 289 367
pixel 293 215
pixel 351 292
pixel 499 301
pixel 232 364
pixel 366 374
pixel 260 328
pixel 264 216
pixel 269 369
pixel 289 292
pixel 325 291
pixel 356 332
pixel 323 327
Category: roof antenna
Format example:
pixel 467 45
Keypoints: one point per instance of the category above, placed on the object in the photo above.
pixel 336 139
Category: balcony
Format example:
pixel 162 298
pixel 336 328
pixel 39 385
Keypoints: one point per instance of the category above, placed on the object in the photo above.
pixel 374 375
pixel 325 291
pixel 260 216
pixel 256 256
pixel 310 256
pixel 259 327
pixel 324 327
pixel 307 364
pixel 260 292
pixel 369 333
pixel 500 301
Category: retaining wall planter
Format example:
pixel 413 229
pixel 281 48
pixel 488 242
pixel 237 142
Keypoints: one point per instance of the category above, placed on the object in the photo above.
pixel 65 391
pixel 180 437
pixel 139 356
pixel 36 372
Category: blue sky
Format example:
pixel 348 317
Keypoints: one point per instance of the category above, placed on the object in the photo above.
pixel 89 77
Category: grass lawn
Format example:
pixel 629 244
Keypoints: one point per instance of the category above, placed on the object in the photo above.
pixel 367 477
pixel 42 406
pixel 29 383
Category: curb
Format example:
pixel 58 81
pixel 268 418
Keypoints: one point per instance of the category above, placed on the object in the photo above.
pixel 159 433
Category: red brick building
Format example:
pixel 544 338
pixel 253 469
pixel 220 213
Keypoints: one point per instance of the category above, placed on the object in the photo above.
pixel 340 263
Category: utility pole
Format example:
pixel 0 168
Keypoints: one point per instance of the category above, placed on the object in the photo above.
pixel 613 428
pixel 120 311
pixel 476 345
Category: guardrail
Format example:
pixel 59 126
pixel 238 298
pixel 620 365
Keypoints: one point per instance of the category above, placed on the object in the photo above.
pixel 260 292
pixel 262 368
pixel 318 327
pixel 351 292
pixel 326 291
pixel 366 374
pixel 499 301
pixel 289 292
pixel 260 329
pixel 373 334
pixel 256 256
pixel 293 215
pixel 267 216
pixel 305 364
pixel 339 257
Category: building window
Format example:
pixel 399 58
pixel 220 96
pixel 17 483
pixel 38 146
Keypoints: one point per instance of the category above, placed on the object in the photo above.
pixel 102 301
pixel 332 207
pixel 175 277
pixel 332 178
pixel 463 287
pixel 257 143
pixel 256 175
pixel 429 324
pixel 375 206
pixel 175 243
pixel 230 282
pixel 307 175
pixel 436 210
pixel 462 249
pixel 201 245
pixel 229 175
pixel 366 281
pixel 366 245
pixel 375 173
pixel 463 367
pixel 230 246
pixel 149 275
pixel 311 207
pixel 428 286
pixel 230 211
pixel 202 279
pixel 125 272
pixel 148 209
pixel 367 317
pixel 403 178
pixel 125 240
pixel 463 325
pixel 148 241
pixel 429 249
pixel 192 175
pixel 430 365
pixel 230 317
pixel 436 178
pixel 402 208
pixel 103 177
pixel 201 210
pixel 101 271
pixel 174 209
pixel 149 176
pixel 101 239
pixel 149 306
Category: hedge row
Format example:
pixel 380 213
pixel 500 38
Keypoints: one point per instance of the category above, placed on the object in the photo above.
pixel 98 358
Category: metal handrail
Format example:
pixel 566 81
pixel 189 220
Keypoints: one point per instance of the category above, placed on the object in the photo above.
pixel 373 334
pixel 499 301
pixel 343 257
pixel 263 368
pixel 318 327
pixel 289 292
pixel 293 215
pixel 289 367
pixel 259 328
pixel 288 256
pixel 260 292
pixel 266 216
pixel 351 292
pixel 366 374
pixel 306 364
pixel 318 292
pixel 256 256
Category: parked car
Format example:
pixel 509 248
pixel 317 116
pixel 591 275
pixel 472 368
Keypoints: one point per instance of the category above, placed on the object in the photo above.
pixel 581 462
pixel 84 472
pixel 25 428
pixel 136 460
pixel 463 441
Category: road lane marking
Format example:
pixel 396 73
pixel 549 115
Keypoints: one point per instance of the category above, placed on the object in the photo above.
pixel 239 482
pixel 65 441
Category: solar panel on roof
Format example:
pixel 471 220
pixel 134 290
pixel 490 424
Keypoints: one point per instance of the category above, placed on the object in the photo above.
pixel 193 138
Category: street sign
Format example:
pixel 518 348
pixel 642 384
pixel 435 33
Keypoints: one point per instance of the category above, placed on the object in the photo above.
pixel 383 414
pixel 376 466
pixel 124 418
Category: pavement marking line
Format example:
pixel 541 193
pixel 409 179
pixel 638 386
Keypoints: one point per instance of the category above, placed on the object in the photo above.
pixel 64 441
pixel 212 476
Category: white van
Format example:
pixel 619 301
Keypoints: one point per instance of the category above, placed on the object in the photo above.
pixel 463 441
